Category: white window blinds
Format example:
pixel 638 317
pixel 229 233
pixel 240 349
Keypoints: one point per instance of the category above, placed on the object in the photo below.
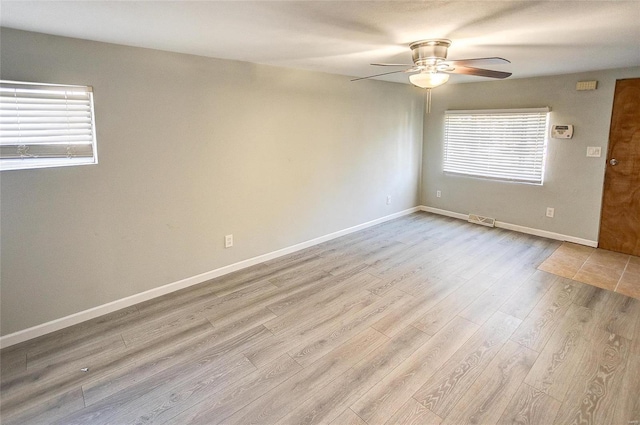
pixel 497 144
pixel 44 125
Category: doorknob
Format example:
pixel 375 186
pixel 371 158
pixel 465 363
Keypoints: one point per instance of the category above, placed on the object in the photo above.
pixel 613 161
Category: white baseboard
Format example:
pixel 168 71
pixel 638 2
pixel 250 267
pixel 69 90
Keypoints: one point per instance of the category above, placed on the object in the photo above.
pixel 518 228
pixel 445 212
pixel 82 316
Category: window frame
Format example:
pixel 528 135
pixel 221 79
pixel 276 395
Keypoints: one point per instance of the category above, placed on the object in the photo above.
pixel 515 177
pixel 61 92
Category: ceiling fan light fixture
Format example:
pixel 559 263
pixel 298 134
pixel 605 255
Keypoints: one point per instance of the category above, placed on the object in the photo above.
pixel 428 80
pixel 429 52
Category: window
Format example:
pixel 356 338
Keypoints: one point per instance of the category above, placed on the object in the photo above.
pixel 497 144
pixel 44 125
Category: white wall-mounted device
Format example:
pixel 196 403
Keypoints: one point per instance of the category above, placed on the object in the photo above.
pixel 562 131
pixel 587 85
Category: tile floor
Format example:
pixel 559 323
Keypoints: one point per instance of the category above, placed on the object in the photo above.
pixel 599 267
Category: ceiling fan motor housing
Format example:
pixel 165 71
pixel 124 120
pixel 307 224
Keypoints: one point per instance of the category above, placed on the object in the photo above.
pixel 429 52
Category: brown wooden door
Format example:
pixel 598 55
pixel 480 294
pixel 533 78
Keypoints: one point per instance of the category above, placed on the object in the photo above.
pixel 620 220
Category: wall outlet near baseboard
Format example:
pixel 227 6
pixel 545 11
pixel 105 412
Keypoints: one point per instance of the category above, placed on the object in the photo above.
pixel 388 199
pixel 438 194
pixel 228 241
pixel 550 212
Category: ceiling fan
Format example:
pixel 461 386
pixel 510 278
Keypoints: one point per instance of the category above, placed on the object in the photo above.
pixel 431 67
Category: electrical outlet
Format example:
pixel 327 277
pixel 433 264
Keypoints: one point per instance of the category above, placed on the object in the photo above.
pixel 594 151
pixel 438 194
pixel 388 199
pixel 550 212
pixel 228 241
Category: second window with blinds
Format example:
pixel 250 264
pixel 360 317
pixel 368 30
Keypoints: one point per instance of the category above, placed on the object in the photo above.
pixel 46 125
pixel 508 145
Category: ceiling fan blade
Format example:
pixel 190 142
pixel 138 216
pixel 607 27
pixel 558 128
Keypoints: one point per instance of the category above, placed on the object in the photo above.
pixel 479 61
pixel 391 64
pixel 467 70
pixel 386 73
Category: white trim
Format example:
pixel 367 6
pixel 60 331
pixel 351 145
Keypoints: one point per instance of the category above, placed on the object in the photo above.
pixel 445 212
pixel 497 111
pixel 518 228
pixel 546 234
pixel 82 316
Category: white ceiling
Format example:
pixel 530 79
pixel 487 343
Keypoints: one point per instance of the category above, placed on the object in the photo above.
pixel 343 37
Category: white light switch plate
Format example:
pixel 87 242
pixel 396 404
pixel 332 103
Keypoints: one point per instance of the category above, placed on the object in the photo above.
pixel 594 151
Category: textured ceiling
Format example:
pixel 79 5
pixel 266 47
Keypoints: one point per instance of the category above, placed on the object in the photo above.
pixel 343 37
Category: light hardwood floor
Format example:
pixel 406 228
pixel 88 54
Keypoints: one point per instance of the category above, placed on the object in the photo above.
pixel 420 320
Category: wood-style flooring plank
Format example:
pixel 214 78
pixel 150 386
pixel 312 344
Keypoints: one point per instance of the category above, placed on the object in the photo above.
pixel 444 311
pixel 559 361
pixel 166 327
pixel 38 386
pixel 388 283
pixel 309 352
pixel 151 362
pixel 429 296
pixel 519 269
pixel 414 413
pixel 448 385
pixel 83 355
pixel 382 254
pixel 205 291
pixel 279 401
pixel 530 406
pixel 444 260
pixel 488 255
pixel 428 256
pixel 529 294
pixel 294 275
pixel 207 407
pixel 627 408
pixel 237 322
pixel 378 404
pixel 45 412
pixel 82 333
pixel 151 398
pixel 592 395
pixel 326 404
pixel 300 273
pixel 348 418
pixel 12 362
pixel 536 329
pixel 328 290
pixel 490 394
pixel 308 330
pixel 315 313
pixel 620 315
pixel 635 341
pixel 174 322
pixel 213 408
pixel 285 260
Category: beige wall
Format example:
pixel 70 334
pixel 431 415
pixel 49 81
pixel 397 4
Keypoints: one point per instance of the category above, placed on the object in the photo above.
pixel 191 149
pixel 572 183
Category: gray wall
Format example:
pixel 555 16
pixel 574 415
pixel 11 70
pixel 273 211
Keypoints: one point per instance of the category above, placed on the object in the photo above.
pixel 572 182
pixel 191 149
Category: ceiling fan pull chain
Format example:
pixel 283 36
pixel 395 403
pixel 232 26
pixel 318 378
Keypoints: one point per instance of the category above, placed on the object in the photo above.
pixel 428 99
